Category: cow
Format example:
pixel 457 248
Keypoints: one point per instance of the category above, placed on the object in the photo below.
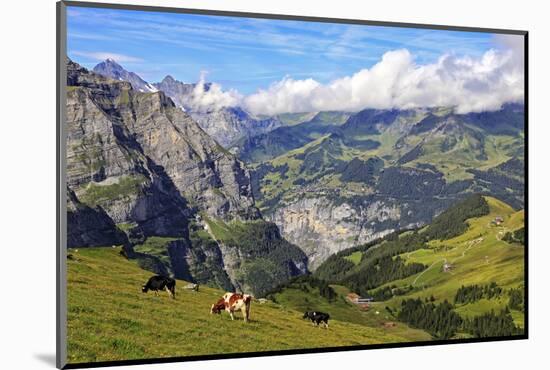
pixel 157 282
pixel 192 286
pixel 317 317
pixel 231 302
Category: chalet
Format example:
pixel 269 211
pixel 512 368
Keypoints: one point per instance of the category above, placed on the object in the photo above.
pixel 498 220
pixel 357 299
pixel 353 297
pixel 447 267
pixel 365 300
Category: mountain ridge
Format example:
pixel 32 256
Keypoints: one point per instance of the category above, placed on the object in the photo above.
pixel 226 124
pixel 428 159
pixel 147 169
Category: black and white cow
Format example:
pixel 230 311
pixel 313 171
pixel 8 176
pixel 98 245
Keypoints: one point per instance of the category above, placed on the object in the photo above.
pixel 317 317
pixel 157 282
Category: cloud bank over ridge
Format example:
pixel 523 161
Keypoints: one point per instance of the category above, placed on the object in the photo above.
pixel 470 84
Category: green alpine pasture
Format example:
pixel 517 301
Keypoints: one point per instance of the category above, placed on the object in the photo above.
pixel 478 256
pixel 109 318
pixel 302 297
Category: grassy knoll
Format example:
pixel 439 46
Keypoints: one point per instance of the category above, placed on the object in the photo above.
pixel 110 319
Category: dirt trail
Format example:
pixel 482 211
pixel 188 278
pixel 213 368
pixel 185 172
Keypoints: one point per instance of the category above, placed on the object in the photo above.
pixel 423 272
pixel 471 244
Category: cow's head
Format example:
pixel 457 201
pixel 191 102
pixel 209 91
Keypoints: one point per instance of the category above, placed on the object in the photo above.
pixel 144 289
pixel 215 309
pixel 218 307
pixel 306 315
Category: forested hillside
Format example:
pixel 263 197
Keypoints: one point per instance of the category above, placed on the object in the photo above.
pixel 464 271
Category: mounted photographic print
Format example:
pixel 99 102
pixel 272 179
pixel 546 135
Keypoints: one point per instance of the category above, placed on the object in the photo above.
pixel 235 184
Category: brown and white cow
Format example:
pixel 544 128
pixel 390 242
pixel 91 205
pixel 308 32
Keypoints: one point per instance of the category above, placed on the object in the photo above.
pixel 232 302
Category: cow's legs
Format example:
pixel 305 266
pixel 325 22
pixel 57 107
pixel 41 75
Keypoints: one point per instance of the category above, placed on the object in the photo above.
pixel 245 313
pixel 231 314
pixel 170 292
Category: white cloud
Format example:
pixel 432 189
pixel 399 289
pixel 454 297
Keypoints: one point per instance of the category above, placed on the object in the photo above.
pixel 396 81
pixel 101 55
pixel 207 99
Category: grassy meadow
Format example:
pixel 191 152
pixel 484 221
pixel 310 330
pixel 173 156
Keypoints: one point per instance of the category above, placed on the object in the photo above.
pixel 478 256
pixel 110 319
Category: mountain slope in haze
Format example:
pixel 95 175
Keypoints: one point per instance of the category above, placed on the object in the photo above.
pixel 385 170
pixel 225 124
pixel 266 146
pixel 230 124
pixel 147 167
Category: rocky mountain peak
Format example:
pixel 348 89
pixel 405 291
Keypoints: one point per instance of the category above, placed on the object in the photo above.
pixel 110 68
pixel 168 79
pixel 140 142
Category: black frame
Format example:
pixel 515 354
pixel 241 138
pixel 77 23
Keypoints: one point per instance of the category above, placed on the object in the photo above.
pixel 61 181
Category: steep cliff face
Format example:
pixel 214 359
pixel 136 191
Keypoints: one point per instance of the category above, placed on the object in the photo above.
pixel 139 164
pixel 256 257
pixel 321 227
pixel 90 227
pixel 153 155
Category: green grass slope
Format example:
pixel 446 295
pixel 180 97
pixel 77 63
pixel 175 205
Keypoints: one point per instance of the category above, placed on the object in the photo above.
pixel 110 319
pixel 478 256
pixel 295 296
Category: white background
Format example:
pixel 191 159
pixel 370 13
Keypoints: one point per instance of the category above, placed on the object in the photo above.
pixel 27 183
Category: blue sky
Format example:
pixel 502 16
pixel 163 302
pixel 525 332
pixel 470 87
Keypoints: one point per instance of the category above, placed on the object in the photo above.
pixel 245 53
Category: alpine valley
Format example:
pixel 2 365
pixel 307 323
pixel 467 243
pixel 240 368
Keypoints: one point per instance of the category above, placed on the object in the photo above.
pixel 273 205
